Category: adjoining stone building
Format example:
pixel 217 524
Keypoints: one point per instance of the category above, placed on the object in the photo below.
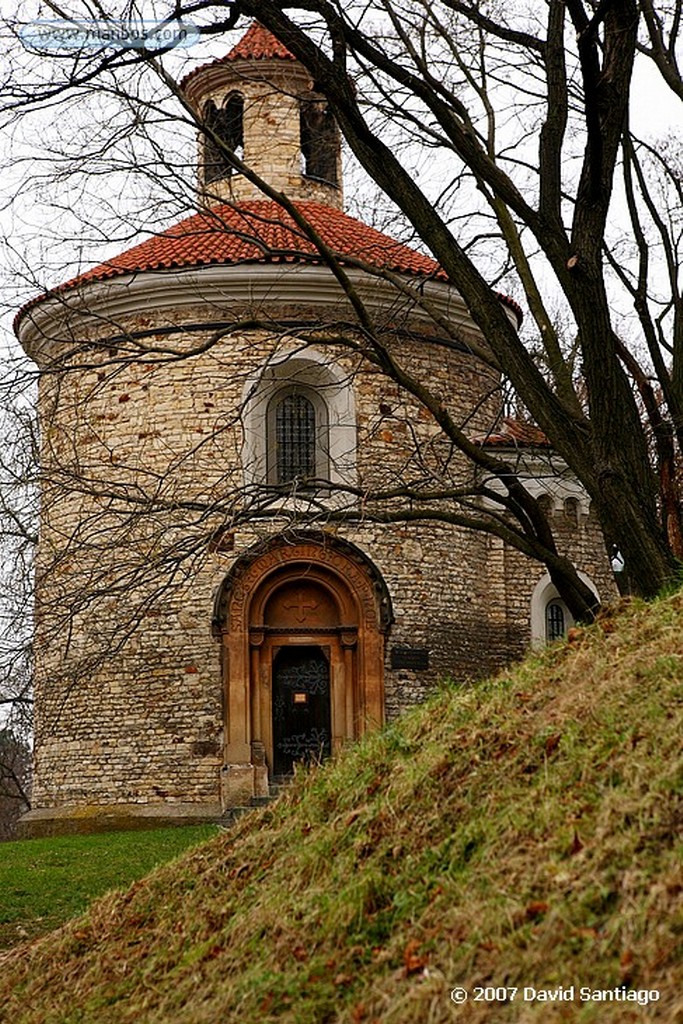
pixel 198 628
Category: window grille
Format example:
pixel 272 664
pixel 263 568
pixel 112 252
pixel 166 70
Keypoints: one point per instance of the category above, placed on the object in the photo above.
pixel 554 622
pixel 295 438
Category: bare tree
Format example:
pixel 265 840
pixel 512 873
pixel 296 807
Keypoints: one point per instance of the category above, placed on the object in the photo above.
pixel 580 100
pixel 15 781
pixel 529 132
pixel 18 527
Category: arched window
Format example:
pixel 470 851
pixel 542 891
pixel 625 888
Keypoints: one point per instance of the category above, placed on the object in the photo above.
pixel 555 627
pixel 296 427
pixel 319 141
pixel 550 616
pixel 282 435
pixel 545 503
pixel 571 510
pixel 295 439
pixel 228 124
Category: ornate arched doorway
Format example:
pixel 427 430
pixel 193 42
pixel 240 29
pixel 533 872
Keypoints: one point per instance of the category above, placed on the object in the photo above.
pixel 302 629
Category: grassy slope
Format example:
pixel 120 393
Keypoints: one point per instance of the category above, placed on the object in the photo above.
pixel 44 882
pixel 520 833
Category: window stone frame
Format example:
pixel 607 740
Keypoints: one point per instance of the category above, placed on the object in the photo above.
pixel 544 594
pixel 310 370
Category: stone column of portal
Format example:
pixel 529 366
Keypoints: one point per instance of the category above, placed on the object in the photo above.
pixel 237 776
pixel 258 740
pixel 349 642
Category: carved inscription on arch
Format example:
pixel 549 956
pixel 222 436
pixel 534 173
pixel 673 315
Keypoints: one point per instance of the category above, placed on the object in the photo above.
pixel 305 554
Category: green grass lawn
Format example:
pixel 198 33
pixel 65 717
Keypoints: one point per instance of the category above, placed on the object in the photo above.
pixel 45 882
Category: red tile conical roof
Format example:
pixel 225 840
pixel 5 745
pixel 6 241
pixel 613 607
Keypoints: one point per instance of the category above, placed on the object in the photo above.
pixel 260 231
pixel 257 43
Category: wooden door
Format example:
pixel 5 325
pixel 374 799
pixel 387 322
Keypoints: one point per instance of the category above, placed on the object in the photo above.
pixel 300 706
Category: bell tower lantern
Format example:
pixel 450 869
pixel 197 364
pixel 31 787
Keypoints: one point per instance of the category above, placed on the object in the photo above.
pixel 259 103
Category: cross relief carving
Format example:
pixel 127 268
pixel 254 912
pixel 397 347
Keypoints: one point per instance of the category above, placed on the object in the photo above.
pixel 301 606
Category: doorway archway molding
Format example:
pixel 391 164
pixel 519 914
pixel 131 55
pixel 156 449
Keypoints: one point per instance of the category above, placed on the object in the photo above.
pixel 304 590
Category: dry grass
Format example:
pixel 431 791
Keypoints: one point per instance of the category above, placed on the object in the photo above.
pixel 518 833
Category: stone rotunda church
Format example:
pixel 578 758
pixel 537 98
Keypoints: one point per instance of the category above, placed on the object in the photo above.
pixel 213 604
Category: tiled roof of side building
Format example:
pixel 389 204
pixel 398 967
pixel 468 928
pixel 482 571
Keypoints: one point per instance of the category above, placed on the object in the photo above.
pixel 260 231
pixel 257 43
pixel 513 433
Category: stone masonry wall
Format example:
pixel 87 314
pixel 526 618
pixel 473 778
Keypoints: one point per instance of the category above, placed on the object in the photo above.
pixel 142 471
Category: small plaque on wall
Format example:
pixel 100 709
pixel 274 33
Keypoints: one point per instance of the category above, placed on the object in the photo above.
pixel 416 658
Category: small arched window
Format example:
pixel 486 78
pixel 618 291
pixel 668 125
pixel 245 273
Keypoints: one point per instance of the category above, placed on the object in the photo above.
pixel 227 123
pixel 319 141
pixel 313 440
pixel 550 616
pixel 545 503
pixel 555 622
pixel 571 510
pixel 296 428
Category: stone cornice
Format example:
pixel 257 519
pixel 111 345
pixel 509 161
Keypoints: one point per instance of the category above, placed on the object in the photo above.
pixel 105 307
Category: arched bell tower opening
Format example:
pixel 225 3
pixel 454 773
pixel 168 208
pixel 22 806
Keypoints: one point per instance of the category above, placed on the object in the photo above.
pixel 227 125
pixel 260 104
pixel 302 626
